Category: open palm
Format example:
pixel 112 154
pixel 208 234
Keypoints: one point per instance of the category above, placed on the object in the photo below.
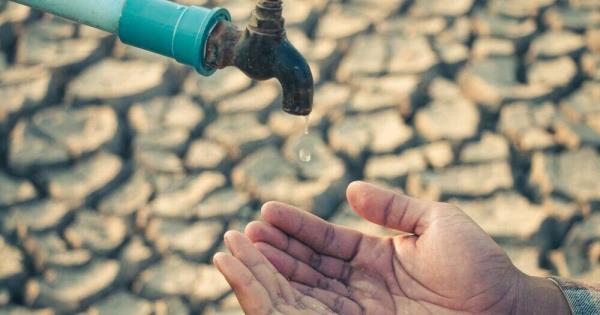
pixel 441 263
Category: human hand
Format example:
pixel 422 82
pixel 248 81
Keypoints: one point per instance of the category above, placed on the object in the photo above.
pixel 260 288
pixel 442 263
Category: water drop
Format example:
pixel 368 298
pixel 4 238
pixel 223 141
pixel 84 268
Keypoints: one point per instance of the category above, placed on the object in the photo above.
pixel 306 120
pixel 305 153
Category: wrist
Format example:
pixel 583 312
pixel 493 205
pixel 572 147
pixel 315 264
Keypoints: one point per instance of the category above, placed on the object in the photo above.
pixel 538 295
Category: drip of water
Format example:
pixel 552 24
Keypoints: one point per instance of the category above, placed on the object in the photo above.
pixel 306 120
pixel 305 154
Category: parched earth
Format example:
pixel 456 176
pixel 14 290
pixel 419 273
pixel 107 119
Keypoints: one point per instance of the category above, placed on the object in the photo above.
pixel 120 170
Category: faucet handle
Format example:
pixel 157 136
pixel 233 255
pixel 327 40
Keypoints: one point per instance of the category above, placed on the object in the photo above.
pixel 267 18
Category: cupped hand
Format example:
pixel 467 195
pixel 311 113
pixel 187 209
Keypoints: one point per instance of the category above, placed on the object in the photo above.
pixel 260 288
pixel 441 262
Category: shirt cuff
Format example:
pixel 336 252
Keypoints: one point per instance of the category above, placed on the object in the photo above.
pixel 582 299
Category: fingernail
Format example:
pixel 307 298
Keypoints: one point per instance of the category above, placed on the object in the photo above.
pixel 216 260
pixel 226 237
pixel 216 256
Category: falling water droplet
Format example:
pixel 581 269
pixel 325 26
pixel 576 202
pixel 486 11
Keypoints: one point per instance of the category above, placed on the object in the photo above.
pixel 306 120
pixel 305 154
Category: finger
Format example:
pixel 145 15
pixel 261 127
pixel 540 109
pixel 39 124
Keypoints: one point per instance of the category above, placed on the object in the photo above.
pixel 318 234
pixel 252 296
pixel 339 304
pixel 295 270
pixel 389 209
pixel 259 231
pixel 241 247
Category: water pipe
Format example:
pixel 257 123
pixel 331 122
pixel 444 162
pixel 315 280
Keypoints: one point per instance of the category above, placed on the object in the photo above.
pixel 102 14
pixel 201 37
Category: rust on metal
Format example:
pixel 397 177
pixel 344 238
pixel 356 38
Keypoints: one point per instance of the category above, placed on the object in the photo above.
pixel 262 51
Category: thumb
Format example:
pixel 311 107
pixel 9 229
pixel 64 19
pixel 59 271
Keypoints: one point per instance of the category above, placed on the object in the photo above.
pixel 390 209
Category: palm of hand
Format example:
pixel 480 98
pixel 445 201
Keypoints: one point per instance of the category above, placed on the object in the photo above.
pixel 449 265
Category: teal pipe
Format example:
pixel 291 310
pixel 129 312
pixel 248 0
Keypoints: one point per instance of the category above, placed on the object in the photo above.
pixel 160 26
pixel 102 14
pixel 170 29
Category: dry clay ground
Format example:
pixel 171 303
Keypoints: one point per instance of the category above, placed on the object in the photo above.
pixel 120 170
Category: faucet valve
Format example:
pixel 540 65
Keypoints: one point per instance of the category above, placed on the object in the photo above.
pixel 267 18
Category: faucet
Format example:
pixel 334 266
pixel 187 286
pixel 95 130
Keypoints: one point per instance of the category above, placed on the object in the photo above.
pixel 203 38
pixel 262 51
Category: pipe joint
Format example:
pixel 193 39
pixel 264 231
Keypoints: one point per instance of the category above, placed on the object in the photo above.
pixel 170 29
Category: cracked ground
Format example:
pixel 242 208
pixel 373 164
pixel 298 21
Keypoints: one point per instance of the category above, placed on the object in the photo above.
pixel 120 170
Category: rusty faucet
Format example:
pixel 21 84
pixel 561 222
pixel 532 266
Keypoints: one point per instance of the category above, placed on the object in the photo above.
pixel 262 51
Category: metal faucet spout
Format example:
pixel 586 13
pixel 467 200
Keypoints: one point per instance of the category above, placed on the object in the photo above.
pixel 296 80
